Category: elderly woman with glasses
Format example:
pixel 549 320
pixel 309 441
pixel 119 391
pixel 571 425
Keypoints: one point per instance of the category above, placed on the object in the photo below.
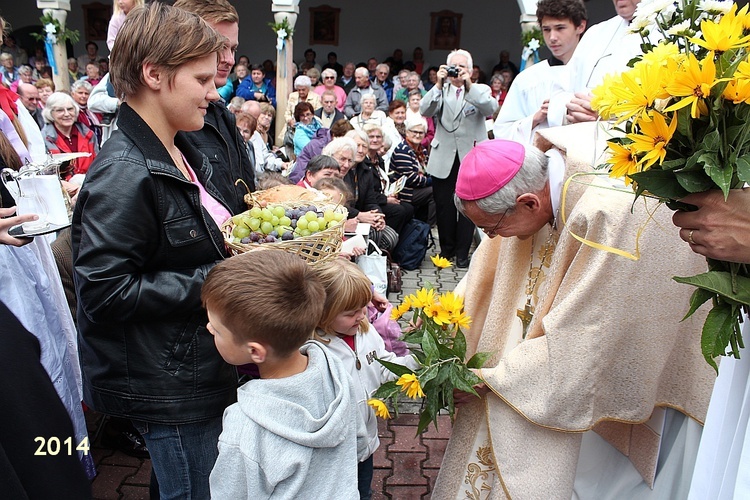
pixel 63 133
pixel 409 160
pixel 329 77
pixel 369 114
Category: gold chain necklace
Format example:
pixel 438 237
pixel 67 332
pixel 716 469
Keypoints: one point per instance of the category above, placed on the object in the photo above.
pixel 527 313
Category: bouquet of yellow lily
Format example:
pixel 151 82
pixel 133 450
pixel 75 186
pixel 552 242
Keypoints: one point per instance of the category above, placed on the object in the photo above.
pixel 684 111
pixel 440 346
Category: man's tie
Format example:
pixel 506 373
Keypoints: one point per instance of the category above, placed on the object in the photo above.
pixel 458 93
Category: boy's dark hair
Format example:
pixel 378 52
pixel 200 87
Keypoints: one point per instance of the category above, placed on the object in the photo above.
pixel 266 296
pixel 320 162
pixel 574 10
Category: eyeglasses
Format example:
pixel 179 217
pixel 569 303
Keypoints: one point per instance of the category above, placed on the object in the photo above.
pixel 329 78
pixel 62 111
pixel 375 136
pixel 416 132
pixel 343 160
pixel 493 231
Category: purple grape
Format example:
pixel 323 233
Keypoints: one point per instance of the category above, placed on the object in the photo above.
pixel 287 236
pixel 274 233
pixel 245 240
pixel 254 237
pixel 294 223
pixel 270 239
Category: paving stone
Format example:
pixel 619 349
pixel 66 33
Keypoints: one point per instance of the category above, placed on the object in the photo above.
pixel 405 440
pixel 407 470
pixel 130 492
pixel 108 481
pixel 407 492
pixel 380 458
pixel 431 475
pixel 143 476
pixel 444 429
pixel 435 452
pixel 99 454
pixel 120 458
pixel 379 477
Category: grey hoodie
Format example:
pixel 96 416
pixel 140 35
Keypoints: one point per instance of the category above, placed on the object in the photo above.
pixel 295 437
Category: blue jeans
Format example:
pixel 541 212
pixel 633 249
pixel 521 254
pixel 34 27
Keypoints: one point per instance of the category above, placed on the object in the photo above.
pixel 364 479
pixel 182 456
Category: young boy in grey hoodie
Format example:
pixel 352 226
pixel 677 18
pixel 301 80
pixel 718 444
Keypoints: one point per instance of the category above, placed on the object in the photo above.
pixel 296 431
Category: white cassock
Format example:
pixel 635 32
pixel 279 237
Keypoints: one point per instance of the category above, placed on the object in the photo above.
pixel 604 49
pixel 529 90
pixel 722 469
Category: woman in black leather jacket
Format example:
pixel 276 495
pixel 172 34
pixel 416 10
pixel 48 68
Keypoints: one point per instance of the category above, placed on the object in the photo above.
pixel 145 234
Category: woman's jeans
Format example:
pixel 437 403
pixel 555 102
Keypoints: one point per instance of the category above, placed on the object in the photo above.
pixel 182 456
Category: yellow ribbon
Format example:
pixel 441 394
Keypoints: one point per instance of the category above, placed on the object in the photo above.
pixel 598 246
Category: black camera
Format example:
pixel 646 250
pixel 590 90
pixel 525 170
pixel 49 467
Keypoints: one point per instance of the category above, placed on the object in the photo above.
pixel 453 71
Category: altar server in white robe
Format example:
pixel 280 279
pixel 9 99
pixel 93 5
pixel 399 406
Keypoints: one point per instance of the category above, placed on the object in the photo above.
pixel 525 107
pixel 720 229
pixel 605 49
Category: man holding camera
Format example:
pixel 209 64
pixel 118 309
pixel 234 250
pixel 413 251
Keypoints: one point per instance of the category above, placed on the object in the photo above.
pixel 460 108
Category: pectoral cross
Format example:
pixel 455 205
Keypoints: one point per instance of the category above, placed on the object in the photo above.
pixel 526 315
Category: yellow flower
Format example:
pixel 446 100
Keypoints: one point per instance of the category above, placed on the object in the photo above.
pixel 410 385
pixel 653 140
pixel 694 84
pixel 423 298
pixel 662 54
pixel 623 161
pixel 440 262
pixel 451 302
pixel 437 313
pixel 402 309
pixel 725 34
pixel 738 91
pixel 640 87
pixel 461 320
pixel 381 410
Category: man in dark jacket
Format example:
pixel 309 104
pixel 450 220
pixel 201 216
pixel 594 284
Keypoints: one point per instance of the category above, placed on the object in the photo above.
pixel 219 139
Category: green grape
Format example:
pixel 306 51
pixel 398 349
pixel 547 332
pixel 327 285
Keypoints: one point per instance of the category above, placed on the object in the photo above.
pixel 254 224
pixel 311 216
pixel 302 223
pixel 334 223
pixel 255 212
pixel 339 216
pixel 266 227
pixel 328 215
pixel 240 232
pixel 285 221
pixel 305 232
pixel 313 226
pixel 245 221
pixel 321 222
pixel 237 219
pixel 278 211
pixel 266 214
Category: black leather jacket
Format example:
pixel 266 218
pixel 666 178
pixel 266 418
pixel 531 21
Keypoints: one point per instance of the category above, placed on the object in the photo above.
pixel 221 142
pixel 142 246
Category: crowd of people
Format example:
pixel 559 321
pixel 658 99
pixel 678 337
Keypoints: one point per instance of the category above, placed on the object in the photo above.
pixel 147 320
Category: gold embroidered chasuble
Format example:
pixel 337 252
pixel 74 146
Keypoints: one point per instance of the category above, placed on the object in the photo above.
pixel 605 346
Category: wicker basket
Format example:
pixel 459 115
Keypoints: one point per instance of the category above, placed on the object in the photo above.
pixel 318 247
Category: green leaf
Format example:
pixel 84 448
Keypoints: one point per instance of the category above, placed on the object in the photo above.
pixel 720 174
pixel 478 360
pixel 448 401
pixel 720 282
pixel 459 345
pixel 660 183
pixel 694 181
pixel 711 141
pixel 459 382
pixel 395 367
pixel 424 421
pixel 719 319
pixel 443 374
pixel 430 346
pixel 699 297
pixel 427 375
pixel 387 390
pixel 673 164
pixel 743 168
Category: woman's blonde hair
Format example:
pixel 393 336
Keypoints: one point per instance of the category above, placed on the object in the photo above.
pixel 116 10
pixel 347 288
pixel 161 35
